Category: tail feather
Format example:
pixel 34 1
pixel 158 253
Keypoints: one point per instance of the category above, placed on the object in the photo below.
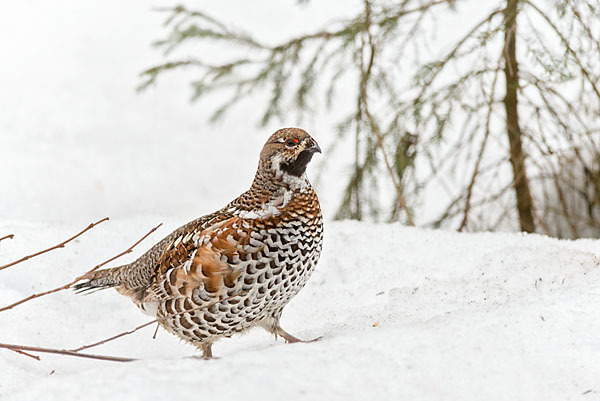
pixel 98 280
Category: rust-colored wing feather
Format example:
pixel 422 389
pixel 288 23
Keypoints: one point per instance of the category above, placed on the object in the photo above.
pixel 201 264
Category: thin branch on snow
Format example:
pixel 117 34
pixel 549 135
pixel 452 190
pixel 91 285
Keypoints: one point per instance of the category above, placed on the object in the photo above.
pixel 61 245
pixel 125 333
pixel 68 285
pixel 22 348
pixel 18 351
pixel 9 236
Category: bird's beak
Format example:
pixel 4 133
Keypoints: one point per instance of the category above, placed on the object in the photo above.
pixel 314 149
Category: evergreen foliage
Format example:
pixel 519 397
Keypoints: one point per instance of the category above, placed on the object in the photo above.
pixel 447 126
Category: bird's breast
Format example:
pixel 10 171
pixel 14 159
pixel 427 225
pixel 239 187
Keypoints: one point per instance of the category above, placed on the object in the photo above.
pixel 242 271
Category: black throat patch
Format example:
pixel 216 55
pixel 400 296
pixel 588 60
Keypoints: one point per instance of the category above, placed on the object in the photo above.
pixel 298 166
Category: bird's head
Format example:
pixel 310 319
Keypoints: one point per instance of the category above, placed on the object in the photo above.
pixel 288 152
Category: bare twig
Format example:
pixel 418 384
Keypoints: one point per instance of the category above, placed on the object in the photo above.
pixel 388 166
pixel 484 142
pixel 363 106
pixel 11 236
pixel 22 348
pixel 18 351
pixel 68 285
pixel 125 333
pixel 61 245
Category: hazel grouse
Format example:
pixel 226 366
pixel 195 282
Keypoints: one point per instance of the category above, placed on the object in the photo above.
pixel 238 267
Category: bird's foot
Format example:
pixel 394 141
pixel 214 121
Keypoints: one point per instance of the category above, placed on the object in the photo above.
pixel 292 339
pixel 204 358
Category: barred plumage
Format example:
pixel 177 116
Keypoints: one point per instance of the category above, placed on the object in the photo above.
pixel 238 267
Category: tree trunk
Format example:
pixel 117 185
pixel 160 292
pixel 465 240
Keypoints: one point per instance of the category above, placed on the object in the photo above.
pixel 517 158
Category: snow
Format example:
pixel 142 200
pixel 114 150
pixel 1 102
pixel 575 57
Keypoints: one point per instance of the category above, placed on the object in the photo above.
pixel 405 313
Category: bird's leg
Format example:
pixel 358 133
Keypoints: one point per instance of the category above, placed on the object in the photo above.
pixel 206 351
pixel 272 326
pixel 290 338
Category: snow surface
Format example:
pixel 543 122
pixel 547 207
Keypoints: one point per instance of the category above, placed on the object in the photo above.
pixel 405 313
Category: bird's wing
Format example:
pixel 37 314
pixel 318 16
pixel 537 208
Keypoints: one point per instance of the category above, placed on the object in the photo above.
pixel 201 264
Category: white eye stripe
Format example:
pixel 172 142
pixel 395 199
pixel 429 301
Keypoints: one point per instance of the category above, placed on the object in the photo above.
pixel 281 140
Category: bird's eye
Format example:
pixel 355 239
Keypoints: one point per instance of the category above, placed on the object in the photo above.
pixel 292 142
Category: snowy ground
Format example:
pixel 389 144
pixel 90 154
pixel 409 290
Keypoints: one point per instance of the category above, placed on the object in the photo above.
pixel 404 313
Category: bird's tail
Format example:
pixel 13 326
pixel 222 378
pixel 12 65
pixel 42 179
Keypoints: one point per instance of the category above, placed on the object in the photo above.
pixel 99 280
